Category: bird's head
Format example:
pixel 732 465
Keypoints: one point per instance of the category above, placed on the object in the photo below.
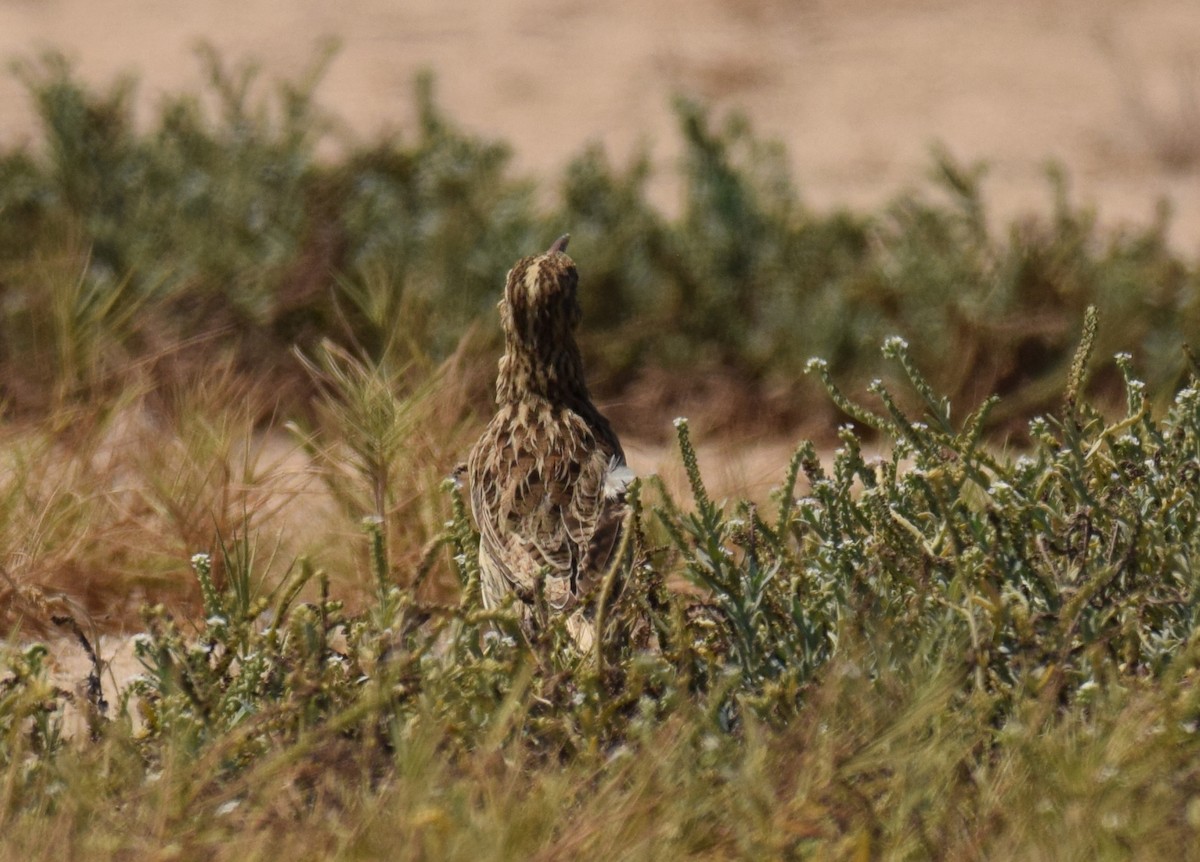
pixel 540 308
pixel 539 313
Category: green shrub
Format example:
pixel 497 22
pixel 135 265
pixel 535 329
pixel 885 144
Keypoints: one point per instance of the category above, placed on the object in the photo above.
pixel 219 230
pixel 1041 576
pixel 913 631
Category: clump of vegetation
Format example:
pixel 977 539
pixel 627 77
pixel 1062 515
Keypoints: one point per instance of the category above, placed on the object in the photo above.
pixel 941 648
pixel 219 230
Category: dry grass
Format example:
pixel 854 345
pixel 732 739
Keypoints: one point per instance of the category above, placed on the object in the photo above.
pixel 104 505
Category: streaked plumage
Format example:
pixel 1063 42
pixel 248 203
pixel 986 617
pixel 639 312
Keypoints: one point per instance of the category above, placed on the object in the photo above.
pixel 548 476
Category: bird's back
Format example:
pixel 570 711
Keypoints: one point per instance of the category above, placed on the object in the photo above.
pixel 547 490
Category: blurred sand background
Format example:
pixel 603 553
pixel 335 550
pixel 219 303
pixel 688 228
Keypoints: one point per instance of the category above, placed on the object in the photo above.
pixel 858 90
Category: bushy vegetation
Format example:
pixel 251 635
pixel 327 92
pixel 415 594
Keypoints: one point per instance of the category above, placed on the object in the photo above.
pixel 217 222
pixel 938 651
pixel 923 645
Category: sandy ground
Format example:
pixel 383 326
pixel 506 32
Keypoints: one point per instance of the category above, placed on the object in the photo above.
pixel 858 89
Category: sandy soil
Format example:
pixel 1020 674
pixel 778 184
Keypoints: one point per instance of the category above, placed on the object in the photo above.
pixel 857 89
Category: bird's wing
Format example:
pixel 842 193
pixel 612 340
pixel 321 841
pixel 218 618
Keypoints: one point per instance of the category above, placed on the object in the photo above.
pixel 596 517
pixel 517 486
pixel 548 499
pixel 488 469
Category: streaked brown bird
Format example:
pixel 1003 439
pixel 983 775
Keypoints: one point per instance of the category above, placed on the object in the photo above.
pixel 548 476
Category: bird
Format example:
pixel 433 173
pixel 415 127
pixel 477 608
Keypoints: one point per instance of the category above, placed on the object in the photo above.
pixel 548 476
